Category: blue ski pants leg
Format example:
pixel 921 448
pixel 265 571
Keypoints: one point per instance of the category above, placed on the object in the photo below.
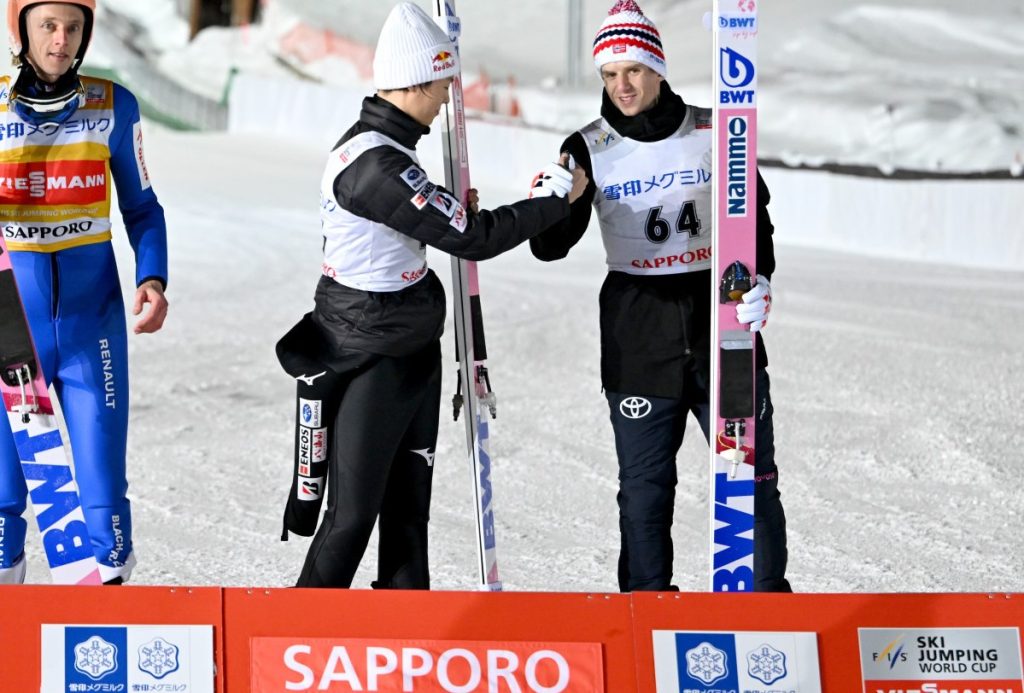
pixel 76 312
pixel 648 434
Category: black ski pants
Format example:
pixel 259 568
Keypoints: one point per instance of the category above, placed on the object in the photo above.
pixel 381 461
pixel 647 447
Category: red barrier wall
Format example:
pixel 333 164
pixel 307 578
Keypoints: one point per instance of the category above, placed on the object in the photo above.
pixel 835 617
pixel 620 625
pixel 27 607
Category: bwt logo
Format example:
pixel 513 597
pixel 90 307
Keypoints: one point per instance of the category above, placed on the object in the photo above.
pixel 737 166
pixel 735 71
pixel 737 23
pixel 454 23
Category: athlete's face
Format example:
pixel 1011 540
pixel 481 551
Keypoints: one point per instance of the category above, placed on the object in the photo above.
pixel 426 103
pixel 632 87
pixel 54 37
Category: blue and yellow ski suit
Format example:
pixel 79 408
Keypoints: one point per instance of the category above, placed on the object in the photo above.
pixel 55 194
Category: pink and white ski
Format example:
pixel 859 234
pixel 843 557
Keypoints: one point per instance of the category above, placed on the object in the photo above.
pixel 734 251
pixel 44 461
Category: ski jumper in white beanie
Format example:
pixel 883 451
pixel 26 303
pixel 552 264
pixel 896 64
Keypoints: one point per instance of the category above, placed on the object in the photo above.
pixel 627 34
pixel 412 50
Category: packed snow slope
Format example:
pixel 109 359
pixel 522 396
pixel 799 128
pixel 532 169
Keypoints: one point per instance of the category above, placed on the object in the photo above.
pixel 896 388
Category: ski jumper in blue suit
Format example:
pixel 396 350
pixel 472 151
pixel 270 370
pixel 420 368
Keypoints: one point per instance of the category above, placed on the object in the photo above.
pixel 55 173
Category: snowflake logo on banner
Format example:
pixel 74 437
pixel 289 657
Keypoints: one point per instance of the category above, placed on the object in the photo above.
pixel 158 658
pixel 766 664
pixel 95 657
pixel 706 663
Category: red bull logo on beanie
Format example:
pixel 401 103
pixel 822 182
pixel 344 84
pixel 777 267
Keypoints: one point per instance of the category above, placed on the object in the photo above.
pixel 443 61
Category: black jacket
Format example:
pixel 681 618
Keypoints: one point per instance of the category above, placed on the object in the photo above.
pixel 654 329
pixel 402 322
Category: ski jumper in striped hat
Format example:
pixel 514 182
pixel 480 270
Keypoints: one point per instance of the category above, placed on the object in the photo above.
pixel 627 34
pixel 649 161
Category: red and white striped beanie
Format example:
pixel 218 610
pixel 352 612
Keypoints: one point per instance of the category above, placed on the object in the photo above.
pixel 627 34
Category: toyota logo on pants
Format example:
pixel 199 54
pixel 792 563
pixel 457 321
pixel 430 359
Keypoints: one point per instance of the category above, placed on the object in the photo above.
pixel 635 407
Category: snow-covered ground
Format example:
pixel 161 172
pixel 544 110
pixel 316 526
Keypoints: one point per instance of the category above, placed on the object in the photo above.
pixel 897 392
pixel 896 386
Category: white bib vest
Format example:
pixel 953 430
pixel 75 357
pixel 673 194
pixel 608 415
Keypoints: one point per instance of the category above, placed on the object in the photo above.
pixel 359 253
pixel 653 199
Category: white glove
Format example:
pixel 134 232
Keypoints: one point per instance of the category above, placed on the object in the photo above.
pixel 553 179
pixel 756 304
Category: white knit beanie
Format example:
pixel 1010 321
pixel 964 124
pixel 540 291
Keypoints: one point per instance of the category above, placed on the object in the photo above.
pixel 627 34
pixel 412 50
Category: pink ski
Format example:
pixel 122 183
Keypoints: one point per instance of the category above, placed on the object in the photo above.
pixel 734 251
pixel 44 461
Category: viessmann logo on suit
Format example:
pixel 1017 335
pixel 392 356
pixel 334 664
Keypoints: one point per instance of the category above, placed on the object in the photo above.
pixel 424 666
pixel 53 182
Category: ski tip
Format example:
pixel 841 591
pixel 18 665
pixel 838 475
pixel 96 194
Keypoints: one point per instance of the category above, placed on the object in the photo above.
pixel 92 578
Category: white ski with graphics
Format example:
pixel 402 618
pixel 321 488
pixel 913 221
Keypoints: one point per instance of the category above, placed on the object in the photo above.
pixel 473 392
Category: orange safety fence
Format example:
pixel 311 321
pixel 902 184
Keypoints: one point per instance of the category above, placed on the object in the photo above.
pixel 78 639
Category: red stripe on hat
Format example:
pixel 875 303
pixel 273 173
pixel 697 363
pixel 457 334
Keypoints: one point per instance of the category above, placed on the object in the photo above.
pixel 649 47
